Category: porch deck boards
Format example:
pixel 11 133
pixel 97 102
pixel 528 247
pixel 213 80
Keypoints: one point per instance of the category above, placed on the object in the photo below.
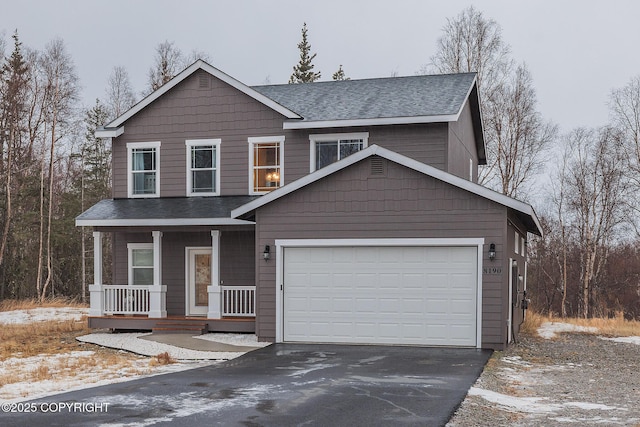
pixel 236 324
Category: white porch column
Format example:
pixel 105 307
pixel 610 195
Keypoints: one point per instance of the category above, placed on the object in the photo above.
pixel 157 291
pixel 95 290
pixel 214 291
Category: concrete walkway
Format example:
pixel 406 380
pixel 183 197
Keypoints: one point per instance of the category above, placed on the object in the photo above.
pixel 187 341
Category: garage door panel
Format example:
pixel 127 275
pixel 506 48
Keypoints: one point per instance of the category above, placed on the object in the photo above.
pixel 386 295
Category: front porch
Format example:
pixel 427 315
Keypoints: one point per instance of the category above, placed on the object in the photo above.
pixel 192 291
pixel 129 322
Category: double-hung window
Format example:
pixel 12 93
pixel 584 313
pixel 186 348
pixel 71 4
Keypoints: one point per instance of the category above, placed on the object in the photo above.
pixel 266 172
pixel 203 167
pixel 143 168
pixel 140 264
pixel 329 148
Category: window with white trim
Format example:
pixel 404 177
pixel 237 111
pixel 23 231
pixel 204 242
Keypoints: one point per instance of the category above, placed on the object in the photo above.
pixel 266 172
pixel 143 169
pixel 203 167
pixel 329 148
pixel 516 241
pixel 140 264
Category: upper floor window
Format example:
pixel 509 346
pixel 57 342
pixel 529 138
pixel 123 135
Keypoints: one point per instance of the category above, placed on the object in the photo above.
pixel 329 148
pixel 265 164
pixel 203 167
pixel 143 169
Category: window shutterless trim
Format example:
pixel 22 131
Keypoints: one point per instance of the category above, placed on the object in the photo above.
pixel 142 145
pixel 328 137
pixel 190 143
pixel 253 141
pixel 130 248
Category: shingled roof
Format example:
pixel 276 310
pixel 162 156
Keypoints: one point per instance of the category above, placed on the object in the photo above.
pixel 163 211
pixel 415 96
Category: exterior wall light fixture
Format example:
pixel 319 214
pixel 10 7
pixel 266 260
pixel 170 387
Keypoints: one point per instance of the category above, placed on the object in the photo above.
pixel 492 251
pixel 267 252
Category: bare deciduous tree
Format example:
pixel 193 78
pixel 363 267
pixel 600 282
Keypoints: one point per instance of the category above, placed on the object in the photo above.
pixel 515 133
pixel 625 111
pixel 120 95
pixel 169 61
pixel 518 136
pixel 62 91
pixel 595 193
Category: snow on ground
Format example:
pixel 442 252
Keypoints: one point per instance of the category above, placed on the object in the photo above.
pixel 61 373
pixel 42 314
pixel 48 374
pixel 244 340
pixel 548 330
pixel 537 405
pixel 132 342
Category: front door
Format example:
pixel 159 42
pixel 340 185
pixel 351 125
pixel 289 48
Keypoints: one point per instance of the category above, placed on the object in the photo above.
pixel 199 277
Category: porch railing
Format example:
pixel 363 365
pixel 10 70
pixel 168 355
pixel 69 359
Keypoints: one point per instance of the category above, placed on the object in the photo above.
pixel 125 299
pixel 239 301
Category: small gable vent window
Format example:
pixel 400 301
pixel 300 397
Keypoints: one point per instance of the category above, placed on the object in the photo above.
pixel 329 148
pixel 204 81
pixel 377 166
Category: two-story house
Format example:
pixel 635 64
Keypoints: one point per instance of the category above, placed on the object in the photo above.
pixel 342 212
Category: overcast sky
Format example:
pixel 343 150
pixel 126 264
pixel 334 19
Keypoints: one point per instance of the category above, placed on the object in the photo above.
pixel 577 51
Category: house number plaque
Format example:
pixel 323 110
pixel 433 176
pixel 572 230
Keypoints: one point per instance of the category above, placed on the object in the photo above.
pixel 491 270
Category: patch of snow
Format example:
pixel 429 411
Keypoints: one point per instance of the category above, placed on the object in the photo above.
pixel 243 340
pixel 516 360
pixel 131 342
pixel 628 340
pixel 42 314
pixel 66 377
pixel 534 405
pixel 548 330
pixel 518 404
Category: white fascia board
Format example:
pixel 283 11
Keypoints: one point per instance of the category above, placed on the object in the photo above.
pixel 200 64
pixel 160 222
pixel 402 160
pixel 318 124
pixel 109 133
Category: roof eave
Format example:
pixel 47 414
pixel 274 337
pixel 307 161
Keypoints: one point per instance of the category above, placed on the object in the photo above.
pixel 160 222
pixel 103 132
pixel 316 124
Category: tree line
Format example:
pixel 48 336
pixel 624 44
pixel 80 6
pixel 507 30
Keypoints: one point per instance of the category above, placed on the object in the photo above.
pixel 584 183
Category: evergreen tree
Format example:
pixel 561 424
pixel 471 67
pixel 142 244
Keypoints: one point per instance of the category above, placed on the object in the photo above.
pixel 303 71
pixel 339 75
pixel 13 86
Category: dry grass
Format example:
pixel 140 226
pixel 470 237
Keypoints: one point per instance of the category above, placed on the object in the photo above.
pixel 616 326
pixel 162 359
pixel 27 304
pixel 50 337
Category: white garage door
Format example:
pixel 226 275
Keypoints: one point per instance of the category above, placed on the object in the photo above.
pixel 380 295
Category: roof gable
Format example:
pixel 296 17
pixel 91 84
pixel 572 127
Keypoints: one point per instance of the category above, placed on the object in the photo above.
pixel 523 210
pixel 115 128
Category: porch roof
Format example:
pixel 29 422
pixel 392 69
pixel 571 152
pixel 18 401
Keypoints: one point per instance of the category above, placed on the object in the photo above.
pixel 176 211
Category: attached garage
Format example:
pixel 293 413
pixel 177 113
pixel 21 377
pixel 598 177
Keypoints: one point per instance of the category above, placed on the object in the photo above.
pixel 382 291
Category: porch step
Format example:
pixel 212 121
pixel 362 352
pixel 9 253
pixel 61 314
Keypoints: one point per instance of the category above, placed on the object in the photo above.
pixel 180 328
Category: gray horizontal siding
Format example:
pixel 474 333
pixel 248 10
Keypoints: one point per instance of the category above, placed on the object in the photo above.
pixel 191 112
pixel 405 204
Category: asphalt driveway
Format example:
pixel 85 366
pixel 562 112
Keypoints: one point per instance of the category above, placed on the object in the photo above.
pixel 280 385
